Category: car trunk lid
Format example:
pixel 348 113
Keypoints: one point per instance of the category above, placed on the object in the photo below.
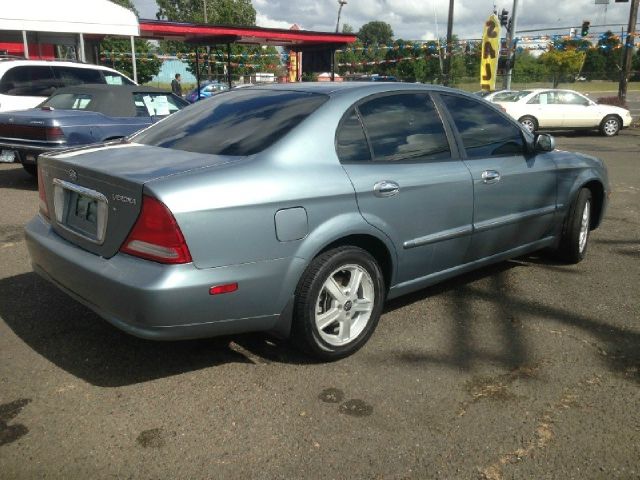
pixel 94 194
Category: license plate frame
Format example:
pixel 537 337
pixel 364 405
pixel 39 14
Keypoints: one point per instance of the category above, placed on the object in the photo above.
pixel 8 156
pixel 80 210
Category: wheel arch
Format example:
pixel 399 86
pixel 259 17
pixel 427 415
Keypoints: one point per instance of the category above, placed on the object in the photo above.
pixel 372 245
pixel 597 196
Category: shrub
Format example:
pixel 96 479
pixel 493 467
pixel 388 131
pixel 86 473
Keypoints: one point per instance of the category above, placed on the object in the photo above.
pixel 615 101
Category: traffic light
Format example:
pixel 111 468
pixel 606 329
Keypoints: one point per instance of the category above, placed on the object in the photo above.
pixel 585 28
pixel 504 17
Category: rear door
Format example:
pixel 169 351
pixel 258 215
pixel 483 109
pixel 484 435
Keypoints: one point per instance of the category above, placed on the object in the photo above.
pixel 547 109
pixel 514 192
pixel 409 180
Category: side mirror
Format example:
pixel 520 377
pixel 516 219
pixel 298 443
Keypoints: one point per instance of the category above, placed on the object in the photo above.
pixel 545 143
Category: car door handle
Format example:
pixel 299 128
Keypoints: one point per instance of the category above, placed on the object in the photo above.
pixel 490 176
pixel 386 188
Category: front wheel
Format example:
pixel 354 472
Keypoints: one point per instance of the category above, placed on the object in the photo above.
pixel 575 233
pixel 529 123
pixel 338 303
pixel 610 126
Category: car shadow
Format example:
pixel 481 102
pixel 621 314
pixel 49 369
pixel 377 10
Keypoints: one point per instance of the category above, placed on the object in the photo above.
pixel 17 179
pixel 78 341
pixel 619 348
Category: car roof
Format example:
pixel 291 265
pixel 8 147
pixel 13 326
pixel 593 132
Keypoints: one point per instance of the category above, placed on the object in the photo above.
pixel 6 63
pixel 338 88
pixel 97 88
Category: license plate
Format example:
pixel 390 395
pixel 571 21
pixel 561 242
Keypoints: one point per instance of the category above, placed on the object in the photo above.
pixel 7 156
pixel 80 210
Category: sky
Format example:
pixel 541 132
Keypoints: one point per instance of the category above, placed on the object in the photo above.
pixel 425 20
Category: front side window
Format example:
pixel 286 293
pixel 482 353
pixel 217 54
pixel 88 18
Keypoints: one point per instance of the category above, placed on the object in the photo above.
pixel 239 123
pixel 28 81
pixel 404 127
pixel 570 98
pixel 351 144
pixel 155 104
pixel 484 132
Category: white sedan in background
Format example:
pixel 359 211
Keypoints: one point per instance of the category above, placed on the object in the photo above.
pixel 564 109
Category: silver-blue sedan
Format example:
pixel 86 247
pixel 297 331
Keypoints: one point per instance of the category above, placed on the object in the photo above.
pixel 298 209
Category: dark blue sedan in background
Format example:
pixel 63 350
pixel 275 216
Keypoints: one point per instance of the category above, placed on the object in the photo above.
pixel 81 115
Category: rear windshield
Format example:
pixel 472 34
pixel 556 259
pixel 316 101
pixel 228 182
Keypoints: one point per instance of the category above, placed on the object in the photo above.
pixel 239 123
pixel 68 101
pixel 510 96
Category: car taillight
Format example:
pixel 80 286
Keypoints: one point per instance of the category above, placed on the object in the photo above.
pixel 42 194
pixel 156 235
pixel 53 134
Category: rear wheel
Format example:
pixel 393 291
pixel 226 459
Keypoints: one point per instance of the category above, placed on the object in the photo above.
pixel 31 169
pixel 529 122
pixel 575 233
pixel 338 303
pixel 610 126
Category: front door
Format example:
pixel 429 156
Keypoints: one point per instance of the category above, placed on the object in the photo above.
pixel 409 181
pixel 514 191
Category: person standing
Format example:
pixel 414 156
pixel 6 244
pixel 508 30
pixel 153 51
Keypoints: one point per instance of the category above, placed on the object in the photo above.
pixel 176 86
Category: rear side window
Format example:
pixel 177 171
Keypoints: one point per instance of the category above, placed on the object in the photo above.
pixel 69 101
pixel 28 81
pixel 405 127
pixel 484 132
pixel 70 76
pixel 239 123
pixel 351 144
pixel 155 104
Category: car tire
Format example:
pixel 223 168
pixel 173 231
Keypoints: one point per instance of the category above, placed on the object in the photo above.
pixel 31 169
pixel 610 126
pixel 529 122
pixel 338 303
pixel 575 232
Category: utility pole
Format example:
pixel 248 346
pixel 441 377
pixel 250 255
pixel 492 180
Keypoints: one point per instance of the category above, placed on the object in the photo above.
pixel 342 3
pixel 628 51
pixel 511 31
pixel 449 46
pixel 206 20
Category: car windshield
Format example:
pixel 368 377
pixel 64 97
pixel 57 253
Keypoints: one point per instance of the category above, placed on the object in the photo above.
pixel 68 101
pixel 241 122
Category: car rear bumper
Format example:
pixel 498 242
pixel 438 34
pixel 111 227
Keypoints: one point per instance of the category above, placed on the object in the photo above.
pixel 163 302
pixel 28 153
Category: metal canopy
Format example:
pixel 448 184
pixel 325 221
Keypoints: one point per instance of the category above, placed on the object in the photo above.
pixel 198 33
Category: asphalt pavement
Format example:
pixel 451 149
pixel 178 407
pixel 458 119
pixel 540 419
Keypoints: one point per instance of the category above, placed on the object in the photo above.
pixel 529 369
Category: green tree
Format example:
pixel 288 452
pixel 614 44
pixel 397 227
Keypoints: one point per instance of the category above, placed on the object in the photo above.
pixel 376 33
pixel 527 68
pixel 219 12
pixel 609 46
pixel 562 63
pixel 347 28
pixel 116 53
pixel 245 59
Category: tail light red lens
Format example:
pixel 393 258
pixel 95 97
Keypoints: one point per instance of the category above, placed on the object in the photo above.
pixel 42 194
pixel 156 235
pixel 53 134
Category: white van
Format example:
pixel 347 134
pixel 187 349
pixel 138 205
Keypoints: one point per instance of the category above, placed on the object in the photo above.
pixel 27 83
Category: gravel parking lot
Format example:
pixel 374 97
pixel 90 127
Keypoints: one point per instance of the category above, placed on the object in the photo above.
pixel 529 369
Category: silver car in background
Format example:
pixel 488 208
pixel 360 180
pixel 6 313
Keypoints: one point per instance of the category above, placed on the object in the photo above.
pixel 298 209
